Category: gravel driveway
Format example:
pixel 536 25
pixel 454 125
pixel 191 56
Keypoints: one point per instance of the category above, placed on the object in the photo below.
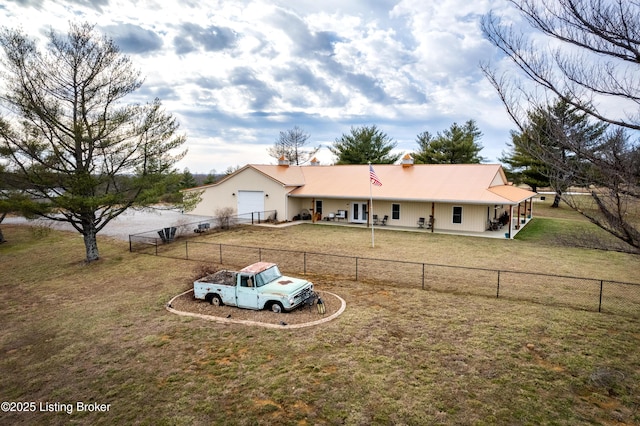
pixel 129 222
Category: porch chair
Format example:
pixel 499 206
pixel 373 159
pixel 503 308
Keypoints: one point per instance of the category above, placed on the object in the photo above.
pixel 375 219
pixel 431 221
pixel 421 222
pixel 384 220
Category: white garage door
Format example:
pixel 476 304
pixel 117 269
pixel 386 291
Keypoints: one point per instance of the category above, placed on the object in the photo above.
pixel 250 202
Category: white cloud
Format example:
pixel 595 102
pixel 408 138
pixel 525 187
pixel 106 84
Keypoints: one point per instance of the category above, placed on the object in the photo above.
pixel 237 73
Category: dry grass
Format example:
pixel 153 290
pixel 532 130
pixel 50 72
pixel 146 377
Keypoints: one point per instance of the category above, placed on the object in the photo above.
pixel 100 333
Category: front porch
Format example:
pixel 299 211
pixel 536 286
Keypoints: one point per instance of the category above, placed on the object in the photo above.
pixel 498 233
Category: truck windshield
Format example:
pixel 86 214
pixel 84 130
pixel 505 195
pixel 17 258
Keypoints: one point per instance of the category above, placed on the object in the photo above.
pixel 267 276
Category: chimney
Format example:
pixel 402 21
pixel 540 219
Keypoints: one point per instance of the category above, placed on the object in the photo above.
pixel 282 161
pixel 407 161
pixel 315 162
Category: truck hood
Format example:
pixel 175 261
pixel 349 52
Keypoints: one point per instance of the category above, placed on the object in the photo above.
pixel 285 286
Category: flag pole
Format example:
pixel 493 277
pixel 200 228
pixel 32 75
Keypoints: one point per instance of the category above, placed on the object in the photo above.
pixel 373 238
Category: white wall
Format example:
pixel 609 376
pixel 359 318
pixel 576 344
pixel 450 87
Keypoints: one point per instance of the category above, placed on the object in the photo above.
pixel 225 193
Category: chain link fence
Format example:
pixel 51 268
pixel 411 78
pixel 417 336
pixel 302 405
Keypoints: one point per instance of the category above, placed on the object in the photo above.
pixel 621 298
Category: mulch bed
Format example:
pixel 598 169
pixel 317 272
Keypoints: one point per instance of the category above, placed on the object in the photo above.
pixel 305 314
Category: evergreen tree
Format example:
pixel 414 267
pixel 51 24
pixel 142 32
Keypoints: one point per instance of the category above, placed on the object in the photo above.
pixel 456 145
pixel 544 153
pixel 364 145
pixel 81 155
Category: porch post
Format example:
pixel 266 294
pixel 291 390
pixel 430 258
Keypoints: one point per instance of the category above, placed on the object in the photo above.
pixel 510 220
pixel 433 215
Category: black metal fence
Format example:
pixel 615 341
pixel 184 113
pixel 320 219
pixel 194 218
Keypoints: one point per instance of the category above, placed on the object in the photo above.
pixel 173 231
pixel 591 294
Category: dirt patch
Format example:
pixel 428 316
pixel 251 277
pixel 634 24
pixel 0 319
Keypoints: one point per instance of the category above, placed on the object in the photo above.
pixel 185 303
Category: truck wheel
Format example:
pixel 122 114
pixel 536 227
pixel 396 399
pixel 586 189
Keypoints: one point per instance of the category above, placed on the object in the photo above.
pixel 276 307
pixel 215 300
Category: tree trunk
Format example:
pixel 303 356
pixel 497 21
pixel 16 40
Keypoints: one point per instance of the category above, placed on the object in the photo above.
pixel 90 242
pixel 556 200
pixel 2 216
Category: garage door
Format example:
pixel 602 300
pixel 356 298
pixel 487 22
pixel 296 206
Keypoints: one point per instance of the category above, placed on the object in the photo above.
pixel 250 202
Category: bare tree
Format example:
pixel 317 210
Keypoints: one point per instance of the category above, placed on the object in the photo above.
pixel 591 61
pixel 290 145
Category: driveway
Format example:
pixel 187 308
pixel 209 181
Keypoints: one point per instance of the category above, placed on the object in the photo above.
pixel 130 222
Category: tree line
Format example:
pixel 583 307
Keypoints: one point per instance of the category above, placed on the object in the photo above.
pixel 369 144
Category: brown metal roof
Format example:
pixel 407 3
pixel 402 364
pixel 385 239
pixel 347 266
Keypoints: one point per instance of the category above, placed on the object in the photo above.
pixel 286 175
pixel 469 183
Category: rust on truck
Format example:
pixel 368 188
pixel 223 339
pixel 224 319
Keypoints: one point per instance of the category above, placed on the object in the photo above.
pixel 257 267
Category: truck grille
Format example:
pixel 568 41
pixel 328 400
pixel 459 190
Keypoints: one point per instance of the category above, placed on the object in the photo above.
pixel 304 295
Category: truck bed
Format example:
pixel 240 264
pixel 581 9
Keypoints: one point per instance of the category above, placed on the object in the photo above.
pixel 220 277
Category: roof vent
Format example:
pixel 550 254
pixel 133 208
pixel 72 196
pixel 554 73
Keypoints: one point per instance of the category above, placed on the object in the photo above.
pixel 315 162
pixel 282 161
pixel 407 161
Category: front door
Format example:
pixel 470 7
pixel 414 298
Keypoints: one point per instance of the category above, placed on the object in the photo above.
pixel 358 212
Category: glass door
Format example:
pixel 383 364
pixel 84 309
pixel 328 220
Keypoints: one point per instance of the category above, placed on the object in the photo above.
pixel 358 212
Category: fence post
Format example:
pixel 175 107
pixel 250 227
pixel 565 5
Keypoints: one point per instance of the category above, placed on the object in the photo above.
pixel 600 302
pixel 304 262
pixel 259 254
pixel 156 241
pixel 356 269
pixel 130 250
pixel 423 276
pixel 186 249
pixel 498 290
pixel 220 245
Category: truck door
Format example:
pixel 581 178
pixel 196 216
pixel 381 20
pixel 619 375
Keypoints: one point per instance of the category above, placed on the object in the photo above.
pixel 246 292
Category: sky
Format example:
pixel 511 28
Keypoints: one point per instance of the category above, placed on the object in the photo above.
pixel 236 73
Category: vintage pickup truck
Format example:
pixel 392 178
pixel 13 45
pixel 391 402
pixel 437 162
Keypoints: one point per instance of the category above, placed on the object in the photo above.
pixel 258 286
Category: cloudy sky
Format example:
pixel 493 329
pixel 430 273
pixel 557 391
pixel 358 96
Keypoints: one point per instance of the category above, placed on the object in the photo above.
pixel 237 72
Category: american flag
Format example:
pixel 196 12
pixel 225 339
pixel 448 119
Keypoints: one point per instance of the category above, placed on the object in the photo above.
pixel 374 177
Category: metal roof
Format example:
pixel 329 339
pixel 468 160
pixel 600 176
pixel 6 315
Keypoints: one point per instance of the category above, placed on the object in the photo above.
pixel 468 183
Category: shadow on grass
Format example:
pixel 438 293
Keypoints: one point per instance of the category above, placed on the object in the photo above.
pixel 572 233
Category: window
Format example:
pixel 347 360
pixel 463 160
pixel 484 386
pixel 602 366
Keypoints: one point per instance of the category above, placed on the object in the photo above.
pixel 319 206
pixel 395 211
pixel 457 214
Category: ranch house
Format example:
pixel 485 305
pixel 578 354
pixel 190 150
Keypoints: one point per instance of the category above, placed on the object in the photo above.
pixel 467 198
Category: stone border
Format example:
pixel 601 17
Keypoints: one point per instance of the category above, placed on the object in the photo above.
pixel 343 306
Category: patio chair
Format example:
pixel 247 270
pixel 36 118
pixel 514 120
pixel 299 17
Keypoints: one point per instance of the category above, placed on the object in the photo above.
pixel 431 221
pixel 375 219
pixel 421 222
pixel 384 220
